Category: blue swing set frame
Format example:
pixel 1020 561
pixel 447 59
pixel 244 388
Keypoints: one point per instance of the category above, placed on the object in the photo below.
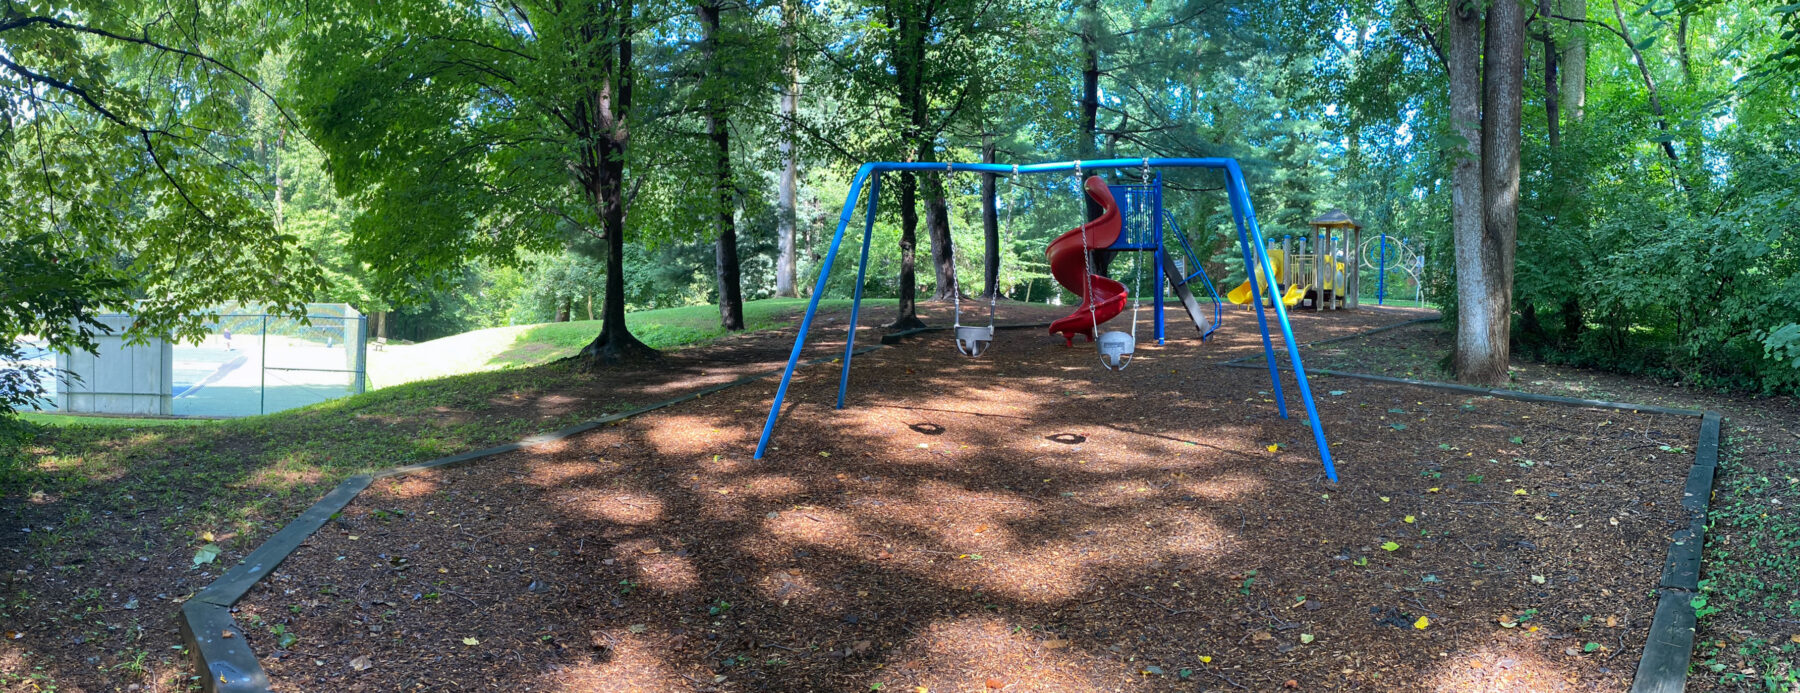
pixel 1250 242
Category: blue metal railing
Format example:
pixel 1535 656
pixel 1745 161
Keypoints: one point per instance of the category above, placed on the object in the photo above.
pixel 1218 310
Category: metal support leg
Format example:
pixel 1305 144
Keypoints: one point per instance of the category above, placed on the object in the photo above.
pixel 1235 187
pixel 856 303
pixel 1252 258
pixel 812 307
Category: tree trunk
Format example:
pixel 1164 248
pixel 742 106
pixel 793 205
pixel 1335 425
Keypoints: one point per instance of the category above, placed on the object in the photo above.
pixel 1503 82
pixel 602 166
pixel 937 227
pixel 1637 56
pixel 908 53
pixel 1091 26
pixel 1572 64
pixel 909 240
pixel 718 130
pixel 990 225
pixel 785 267
pixel 1573 322
pixel 1552 117
pixel 1474 342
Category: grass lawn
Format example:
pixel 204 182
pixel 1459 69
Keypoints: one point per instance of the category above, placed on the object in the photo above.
pixel 531 345
pixel 49 419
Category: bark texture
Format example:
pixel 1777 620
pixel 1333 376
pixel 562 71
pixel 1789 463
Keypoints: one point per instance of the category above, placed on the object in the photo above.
pixel 990 225
pixel 786 267
pixel 602 126
pixel 1473 338
pixel 718 131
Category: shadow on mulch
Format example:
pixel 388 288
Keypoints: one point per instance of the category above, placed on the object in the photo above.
pixel 1025 520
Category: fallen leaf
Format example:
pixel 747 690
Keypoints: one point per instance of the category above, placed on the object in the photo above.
pixel 1261 636
pixel 1291 683
pixel 471 642
pixel 361 663
pixel 1507 621
pixel 1390 546
pixel 206 554
pixel 1433 489
pixel 1306 638
pixel 1408 519
pixel 1205 659
pixel 1422 623
pixel 996 683
pixel 1537 580
pixel 1519 492
pixel 1613 622
pixel 1273 447
pixel 637 628
pixel 1384 499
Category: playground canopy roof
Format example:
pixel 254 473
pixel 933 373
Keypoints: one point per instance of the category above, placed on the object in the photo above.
pixel 1336 217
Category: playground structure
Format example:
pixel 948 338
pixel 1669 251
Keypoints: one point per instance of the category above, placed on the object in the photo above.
pixel 1385 254
pixel 1132 219
pixel 1317 271
pixel 1250 242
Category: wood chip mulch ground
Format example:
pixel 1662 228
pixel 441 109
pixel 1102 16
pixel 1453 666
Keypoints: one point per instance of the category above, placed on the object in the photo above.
pixel 1025 521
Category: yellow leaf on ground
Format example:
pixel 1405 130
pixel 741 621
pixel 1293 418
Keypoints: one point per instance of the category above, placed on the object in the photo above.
pixel 1273 447
pixel 1422 623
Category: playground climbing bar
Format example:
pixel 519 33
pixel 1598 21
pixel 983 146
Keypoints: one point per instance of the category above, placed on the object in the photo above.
pixel 1250 240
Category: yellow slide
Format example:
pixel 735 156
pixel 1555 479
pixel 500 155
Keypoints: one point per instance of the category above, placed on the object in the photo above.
pixel 1241 294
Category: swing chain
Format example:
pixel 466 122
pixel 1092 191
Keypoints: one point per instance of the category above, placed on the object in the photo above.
pixel 1087 260
pixel 955 290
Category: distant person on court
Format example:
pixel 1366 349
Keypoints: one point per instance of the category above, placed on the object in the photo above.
pixel 228 346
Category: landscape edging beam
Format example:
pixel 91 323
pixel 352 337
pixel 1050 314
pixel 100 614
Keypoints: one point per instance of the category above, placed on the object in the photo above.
pixel 220 652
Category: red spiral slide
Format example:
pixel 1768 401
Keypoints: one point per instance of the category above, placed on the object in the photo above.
pixel 1068 264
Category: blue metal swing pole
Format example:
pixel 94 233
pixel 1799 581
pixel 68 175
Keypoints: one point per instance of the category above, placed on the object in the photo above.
pixel 856 303
pixel 1156 255
pixel 1236 180
pixel 1251 259
pixel 812 306
pixel 1381 276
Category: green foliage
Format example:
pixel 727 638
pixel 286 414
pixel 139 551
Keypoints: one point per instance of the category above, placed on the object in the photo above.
pixel 136 196
pixel 51 297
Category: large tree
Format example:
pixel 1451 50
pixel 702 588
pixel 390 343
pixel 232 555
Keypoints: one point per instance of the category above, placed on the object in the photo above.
pixel 1486 65
pixel 469 129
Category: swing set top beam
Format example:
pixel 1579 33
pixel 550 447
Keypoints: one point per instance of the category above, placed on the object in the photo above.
pixel 1050 167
